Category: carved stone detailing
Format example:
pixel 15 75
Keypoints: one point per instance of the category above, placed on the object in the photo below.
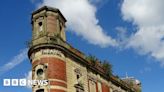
pixel 92 78
pixel 47 52
pixel 52 52
pixel 78 71
pixel 39 71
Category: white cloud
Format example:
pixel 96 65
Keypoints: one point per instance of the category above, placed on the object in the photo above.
pixel 81 16
pixel 99 3
pixel 122 37
pixel 148 16
pixel 16 60
pixel 143 12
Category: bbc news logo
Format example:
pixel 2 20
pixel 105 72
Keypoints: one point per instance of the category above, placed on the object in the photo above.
pixel 24 82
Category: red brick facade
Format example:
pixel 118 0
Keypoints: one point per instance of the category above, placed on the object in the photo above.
pixel 51 24
pixel 97 90
pixel 56 70
pixel 105 88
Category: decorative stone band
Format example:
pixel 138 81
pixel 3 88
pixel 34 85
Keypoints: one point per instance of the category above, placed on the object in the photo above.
pixel 51 88
pixel 57 82
pixel 58 88
pixel 47 56
pixel 47 53
pixel 52 52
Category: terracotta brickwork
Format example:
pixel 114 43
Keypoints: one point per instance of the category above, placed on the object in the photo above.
pixel 105 88
pixel 97 87
pixel 57 83
pixel 56 67
pixel 56 71
pixel 51 24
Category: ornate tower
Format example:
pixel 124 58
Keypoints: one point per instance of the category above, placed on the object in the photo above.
pixel 45 53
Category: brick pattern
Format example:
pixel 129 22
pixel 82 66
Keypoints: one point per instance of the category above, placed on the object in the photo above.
pixel 51 24
pixel 97 90
pixel 58 84
pixel 56 67
pixel 56 70
pixel 105 88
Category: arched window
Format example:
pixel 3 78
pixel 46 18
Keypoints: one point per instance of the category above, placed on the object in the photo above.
pixel 40 25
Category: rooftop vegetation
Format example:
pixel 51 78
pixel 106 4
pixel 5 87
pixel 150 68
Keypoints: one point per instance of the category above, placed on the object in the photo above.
pixel 105 64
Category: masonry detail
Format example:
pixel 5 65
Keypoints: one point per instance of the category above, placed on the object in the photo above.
pixel 65 67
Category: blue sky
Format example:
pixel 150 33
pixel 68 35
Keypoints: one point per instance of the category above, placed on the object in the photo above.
pixel 117 30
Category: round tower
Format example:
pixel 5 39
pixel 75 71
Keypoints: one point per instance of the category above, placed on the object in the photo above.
pixel 45 53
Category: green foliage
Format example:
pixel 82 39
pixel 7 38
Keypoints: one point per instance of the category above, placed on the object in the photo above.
pixel 105 64
pixel 108 67
pixel 92 59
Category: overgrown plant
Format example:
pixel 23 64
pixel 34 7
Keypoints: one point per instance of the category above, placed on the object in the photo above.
pixel 92 59
pixel 105 64
pixel 108 67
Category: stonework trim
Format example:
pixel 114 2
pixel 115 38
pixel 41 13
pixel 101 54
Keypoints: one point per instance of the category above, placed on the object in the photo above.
pixel 57 80
pixel 58 87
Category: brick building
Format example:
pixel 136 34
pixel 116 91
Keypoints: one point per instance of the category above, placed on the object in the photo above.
pixel 66 68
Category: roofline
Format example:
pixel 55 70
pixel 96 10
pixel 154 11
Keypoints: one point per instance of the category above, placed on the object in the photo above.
pixel 112 78
pixel 47 8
